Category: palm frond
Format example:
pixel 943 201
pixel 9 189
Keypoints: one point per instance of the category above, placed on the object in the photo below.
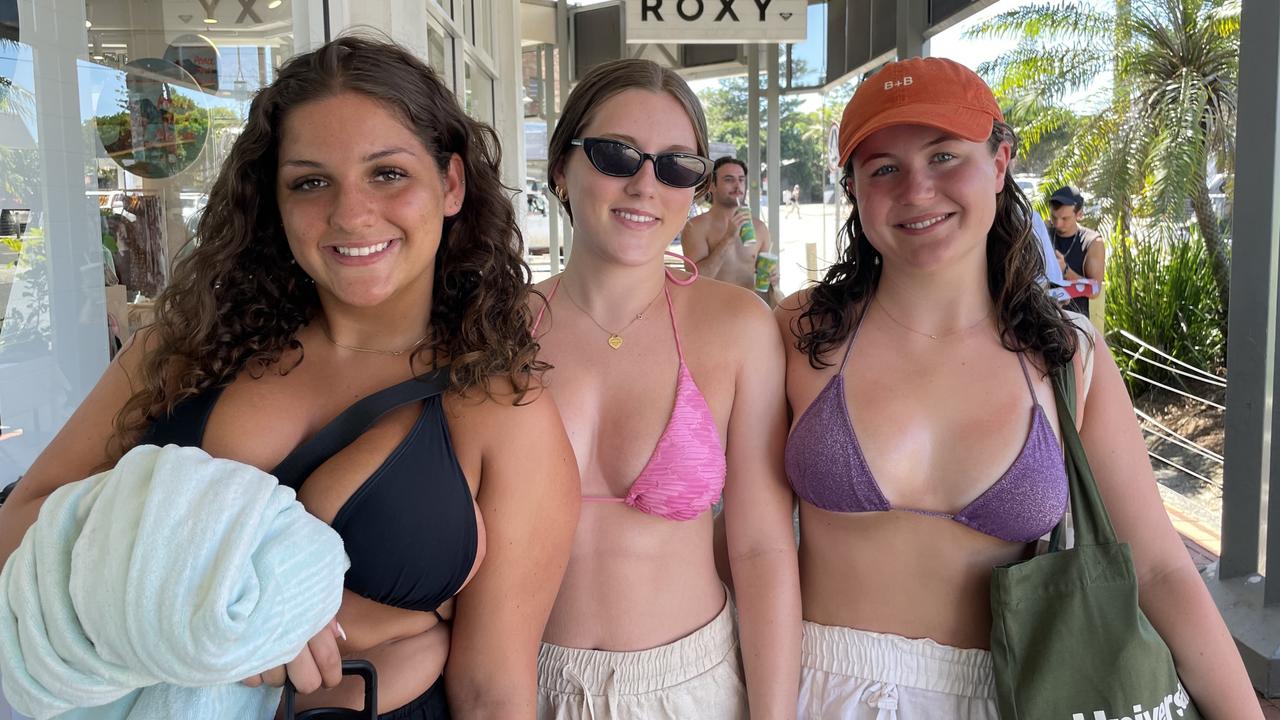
pixel 1047 21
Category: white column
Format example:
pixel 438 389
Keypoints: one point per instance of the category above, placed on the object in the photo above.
pixel 50 360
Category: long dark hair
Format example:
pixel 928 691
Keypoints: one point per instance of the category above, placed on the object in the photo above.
pixel 1028 320
pixel 238 299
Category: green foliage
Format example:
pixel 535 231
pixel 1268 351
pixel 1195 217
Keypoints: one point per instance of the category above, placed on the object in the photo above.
pixel 802 135
pixel 1160 287
pixel 1147 96
pixel 108 237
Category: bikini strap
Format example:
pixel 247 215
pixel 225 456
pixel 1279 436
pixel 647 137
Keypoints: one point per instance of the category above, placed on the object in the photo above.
pixel 671 310
pixel 353 422
pixel 676 280
pixel 541 311
pixel 854 336
pixel 1022 362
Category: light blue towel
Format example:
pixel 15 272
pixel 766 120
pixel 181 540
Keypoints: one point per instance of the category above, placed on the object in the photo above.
pixel 154 587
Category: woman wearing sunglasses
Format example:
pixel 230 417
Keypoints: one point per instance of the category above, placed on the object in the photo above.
pixel 670 388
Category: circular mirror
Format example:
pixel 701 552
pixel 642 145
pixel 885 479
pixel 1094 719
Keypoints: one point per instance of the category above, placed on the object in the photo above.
pixel 152 121
pixel 198 56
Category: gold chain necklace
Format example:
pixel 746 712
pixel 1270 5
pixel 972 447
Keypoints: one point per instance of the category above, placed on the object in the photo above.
pixel 324 328
pixel 931 336
pixel 615 337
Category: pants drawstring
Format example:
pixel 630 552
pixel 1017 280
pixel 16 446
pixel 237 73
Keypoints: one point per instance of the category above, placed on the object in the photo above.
pixel 609 694
pixel 884 698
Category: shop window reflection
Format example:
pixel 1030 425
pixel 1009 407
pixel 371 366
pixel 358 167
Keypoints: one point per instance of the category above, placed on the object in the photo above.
pixel 166 102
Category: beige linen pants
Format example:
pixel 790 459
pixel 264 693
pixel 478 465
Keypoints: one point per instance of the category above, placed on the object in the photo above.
pixel 848 674
pixel 697 677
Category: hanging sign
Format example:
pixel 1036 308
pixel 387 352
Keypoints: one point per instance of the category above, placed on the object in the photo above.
pixel 716 21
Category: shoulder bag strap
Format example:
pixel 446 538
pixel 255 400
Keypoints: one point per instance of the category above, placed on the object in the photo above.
pixel 1089 515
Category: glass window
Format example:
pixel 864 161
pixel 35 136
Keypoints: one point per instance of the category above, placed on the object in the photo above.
pixel 165 108
pixel 807 60
pixel 483 25
pixel 468 21
pixel 115 117
pixel 440 52
pixel 478 95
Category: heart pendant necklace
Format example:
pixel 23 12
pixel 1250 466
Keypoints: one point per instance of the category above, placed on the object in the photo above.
pixel 615 336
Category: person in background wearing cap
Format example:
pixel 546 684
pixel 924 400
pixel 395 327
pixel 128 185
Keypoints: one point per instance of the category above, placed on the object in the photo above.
pixel 1080 252
pixel 929 337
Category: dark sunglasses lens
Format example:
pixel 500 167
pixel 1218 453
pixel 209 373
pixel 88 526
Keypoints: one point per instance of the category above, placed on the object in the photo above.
pixel 681 170
pixel 616 159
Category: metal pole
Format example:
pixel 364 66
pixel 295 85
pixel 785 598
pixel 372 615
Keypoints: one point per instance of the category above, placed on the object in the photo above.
pixel 565 43
pixel 774 147
pixel 913 19
pixel 547 73
pixel 1251 355
pixel 753 126
pixel 1251 608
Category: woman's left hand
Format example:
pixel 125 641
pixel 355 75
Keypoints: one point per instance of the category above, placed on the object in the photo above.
pixel 319 664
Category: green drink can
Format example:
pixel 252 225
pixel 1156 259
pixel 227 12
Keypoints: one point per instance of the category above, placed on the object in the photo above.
pixel 766 263
pixel 747 233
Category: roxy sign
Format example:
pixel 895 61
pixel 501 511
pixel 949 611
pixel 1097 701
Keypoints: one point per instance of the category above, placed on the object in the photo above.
pixel 715 21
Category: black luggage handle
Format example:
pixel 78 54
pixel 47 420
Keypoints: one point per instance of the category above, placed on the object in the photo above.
pixel 364 669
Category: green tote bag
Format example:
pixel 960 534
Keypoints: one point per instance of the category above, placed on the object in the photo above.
pixel 1068 640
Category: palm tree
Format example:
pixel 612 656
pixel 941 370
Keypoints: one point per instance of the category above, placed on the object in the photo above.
pixel 1143 141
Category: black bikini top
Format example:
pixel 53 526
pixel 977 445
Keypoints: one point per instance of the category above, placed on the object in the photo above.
pixel 409 529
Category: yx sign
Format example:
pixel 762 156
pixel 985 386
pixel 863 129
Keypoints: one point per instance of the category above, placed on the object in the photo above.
pixel 715 21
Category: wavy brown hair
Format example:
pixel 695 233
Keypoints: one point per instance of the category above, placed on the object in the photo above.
pixel 237 301
pixel 1029 321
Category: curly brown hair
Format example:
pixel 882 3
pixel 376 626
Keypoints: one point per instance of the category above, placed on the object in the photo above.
pixel 238 299
pixel 1029 321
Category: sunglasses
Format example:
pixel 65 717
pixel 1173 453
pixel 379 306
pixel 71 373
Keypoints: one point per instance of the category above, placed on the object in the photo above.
pixel 618 159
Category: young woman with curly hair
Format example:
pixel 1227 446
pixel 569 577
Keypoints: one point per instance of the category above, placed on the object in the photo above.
pixel 931 337
pixel 671 389
pixel 359 251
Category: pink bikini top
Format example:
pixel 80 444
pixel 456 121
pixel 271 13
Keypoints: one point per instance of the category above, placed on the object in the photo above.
pixel 686 470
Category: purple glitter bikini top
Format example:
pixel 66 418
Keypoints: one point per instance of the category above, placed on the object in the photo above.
pixel 826 468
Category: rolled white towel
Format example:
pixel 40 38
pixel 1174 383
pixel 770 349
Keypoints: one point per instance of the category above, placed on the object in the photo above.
pixel 157 585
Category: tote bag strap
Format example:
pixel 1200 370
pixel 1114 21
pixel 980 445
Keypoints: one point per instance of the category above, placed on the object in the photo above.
pixel 1089 515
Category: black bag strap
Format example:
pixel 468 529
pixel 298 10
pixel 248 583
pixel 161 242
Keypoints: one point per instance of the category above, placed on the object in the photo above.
pixel 1089 516
pixel 353 422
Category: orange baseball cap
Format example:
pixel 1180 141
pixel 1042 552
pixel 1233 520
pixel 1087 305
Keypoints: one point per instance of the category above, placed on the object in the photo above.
pixel 934 92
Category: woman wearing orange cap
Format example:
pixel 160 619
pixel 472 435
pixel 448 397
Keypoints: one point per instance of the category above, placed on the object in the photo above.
pixel 931 338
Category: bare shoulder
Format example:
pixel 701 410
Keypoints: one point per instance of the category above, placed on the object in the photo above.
pixel 539 300
pixel 730 313
pixel 760 225
pixel 794 304
pixel 787 315
pixel 501 408
pixel 726 299
pixel 538 292
pixel 1088 342
pixel 698 223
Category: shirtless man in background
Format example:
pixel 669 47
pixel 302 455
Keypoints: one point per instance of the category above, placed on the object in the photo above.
pixel 711 240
